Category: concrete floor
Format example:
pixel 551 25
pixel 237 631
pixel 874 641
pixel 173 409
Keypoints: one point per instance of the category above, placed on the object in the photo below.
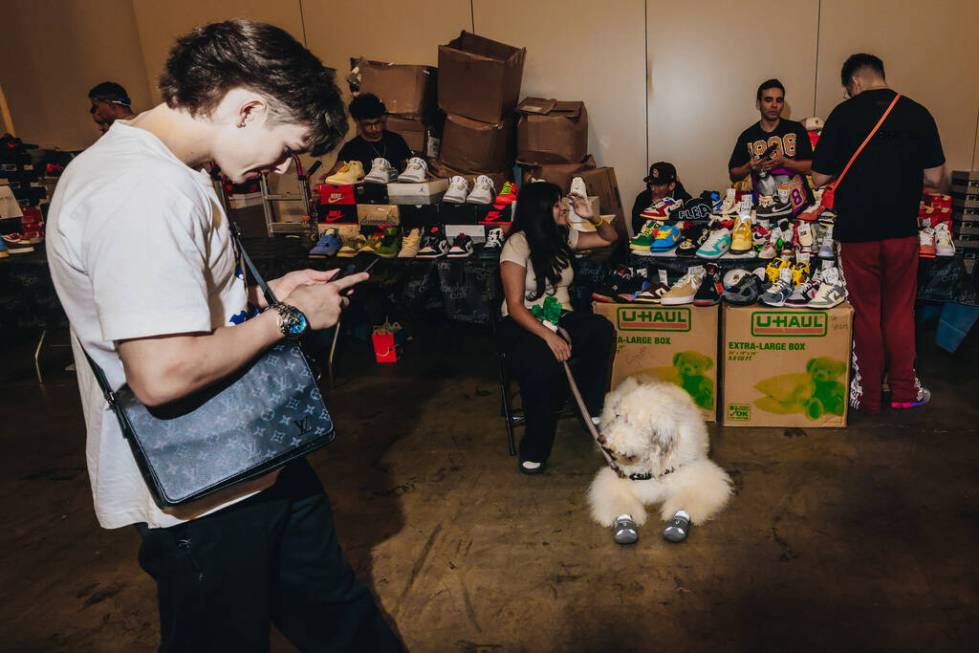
pixel 862 539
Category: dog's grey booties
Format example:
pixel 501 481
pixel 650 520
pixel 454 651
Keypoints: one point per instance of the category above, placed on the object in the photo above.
pixel 678 528
pixel 625 530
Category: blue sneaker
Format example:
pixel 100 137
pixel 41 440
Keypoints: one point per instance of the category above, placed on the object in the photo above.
pixel 666 238
pixel 718 244
pixel 328 245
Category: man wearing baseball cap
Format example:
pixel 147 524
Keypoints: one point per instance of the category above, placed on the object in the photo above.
pixel 661 182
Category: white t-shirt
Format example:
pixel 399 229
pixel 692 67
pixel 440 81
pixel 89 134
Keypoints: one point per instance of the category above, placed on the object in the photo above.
pixel 517 250
pixel 138 246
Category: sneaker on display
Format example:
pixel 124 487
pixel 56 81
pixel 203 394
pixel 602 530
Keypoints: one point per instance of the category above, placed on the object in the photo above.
pixel 657 285
pixel 349 173
pixel 608 291
pixel 642 241
pixel 801 271
pixel 730 205
pixel 328 245
pixel 382 172
pixel 741 239
pixel 434 244
pixel 579 188
pixel 458 190
pixel 685 289
pixel 661 210
pixel 831 292
pixel 926 243
pixel 483 191
pixel 732 277
pixel 778 292
pixel 826 249
pixel 771 209
pixel 803 293
pixel 493 245
pixel 774 269
pixel 462 247
pixel 415 172
pixel 943 240
pixel 666 239
pixel 631 287
pixel 717 244
pixel 747 203
pixel 747 289
pixel 390 242
pixel 410 243
pixel 711 289
pixel 352 245
pixel 691 239
pixel 804 233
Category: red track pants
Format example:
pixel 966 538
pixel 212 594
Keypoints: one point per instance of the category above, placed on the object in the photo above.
pixel 881 283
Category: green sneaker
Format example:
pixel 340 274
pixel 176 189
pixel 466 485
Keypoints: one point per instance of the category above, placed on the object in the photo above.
pixel 389 243
pixel 642 240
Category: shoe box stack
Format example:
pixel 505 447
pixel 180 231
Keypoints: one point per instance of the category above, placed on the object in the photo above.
pixel 408 92
pixel 965 211
pixel 479 85
pixel 935 226
pixel 22 191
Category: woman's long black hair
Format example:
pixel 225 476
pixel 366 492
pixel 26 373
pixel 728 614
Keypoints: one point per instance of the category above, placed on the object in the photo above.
pixel 550 252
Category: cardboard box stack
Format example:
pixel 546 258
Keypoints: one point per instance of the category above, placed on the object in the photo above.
pixel 677 344
pixel 965 212
pixel 786 367
pixel 479 85
pixel 408 92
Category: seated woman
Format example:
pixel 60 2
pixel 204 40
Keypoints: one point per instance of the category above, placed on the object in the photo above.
pixel 661 182
pixel 535 265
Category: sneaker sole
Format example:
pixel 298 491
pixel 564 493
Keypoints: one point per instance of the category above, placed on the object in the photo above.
pixel 706 302
pixel 676 301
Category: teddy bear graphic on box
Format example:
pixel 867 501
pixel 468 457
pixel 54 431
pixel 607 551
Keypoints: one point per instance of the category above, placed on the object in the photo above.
pixel 689 372
pixel 815 393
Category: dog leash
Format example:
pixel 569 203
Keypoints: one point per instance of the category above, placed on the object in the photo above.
pixel 579 400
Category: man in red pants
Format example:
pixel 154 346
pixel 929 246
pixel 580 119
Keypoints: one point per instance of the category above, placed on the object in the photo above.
pixel 877 208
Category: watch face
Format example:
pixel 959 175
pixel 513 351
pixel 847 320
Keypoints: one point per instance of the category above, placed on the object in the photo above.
pixel 298 323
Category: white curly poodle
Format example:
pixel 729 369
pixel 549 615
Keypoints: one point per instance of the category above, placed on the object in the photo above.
pixel 657 438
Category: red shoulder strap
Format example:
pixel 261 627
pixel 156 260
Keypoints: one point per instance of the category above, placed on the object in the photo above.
pixel 866 140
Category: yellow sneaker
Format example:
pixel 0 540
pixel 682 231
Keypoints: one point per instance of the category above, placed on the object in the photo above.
pixel 349 173
pixel 741 241
pixel 774 268
pixel 800 272
pixel 352 246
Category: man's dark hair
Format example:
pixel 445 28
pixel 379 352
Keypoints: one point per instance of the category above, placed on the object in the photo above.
pixel 367 106
pixel 767 84
pixel 857 62
pixel 110 92
pixel 213 59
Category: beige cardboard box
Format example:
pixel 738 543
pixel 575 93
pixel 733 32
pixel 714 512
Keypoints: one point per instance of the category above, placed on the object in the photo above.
pixel 413 130
pixel 786 367
pixel 551 131
pixel 473 145
pixel 404 89
pixel 672 343
pixel 479 78
pixel 378 214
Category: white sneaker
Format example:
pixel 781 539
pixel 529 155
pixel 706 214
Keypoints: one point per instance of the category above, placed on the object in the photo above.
pixel 831 292
pixel 494 244
pixel 382 172
pixel 730 204
pixel 746 204
pixel 943 240
pixel 684 290
pixel 458 189
pixel 805 234
pixel 483 191
pixel 416 171
pixel 578 187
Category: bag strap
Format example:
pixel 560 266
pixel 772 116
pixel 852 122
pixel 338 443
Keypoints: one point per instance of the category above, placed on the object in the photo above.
pixel 867 140
pixel 270 297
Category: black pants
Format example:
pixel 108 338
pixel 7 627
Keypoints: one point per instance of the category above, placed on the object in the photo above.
pixel 273 557
pixel 543 385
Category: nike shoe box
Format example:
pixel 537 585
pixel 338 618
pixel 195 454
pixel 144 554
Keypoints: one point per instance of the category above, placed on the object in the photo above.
pixel 479 78
pixel 426 192
pixel 786 367
pixel 457 214
pixel 551 131
pixel 378 214
pixel 332 214
pixel 366 193
pixel 337 194
pixel 676 344
pixel 488 215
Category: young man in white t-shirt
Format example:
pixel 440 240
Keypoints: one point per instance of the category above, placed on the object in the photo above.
pixel 143 262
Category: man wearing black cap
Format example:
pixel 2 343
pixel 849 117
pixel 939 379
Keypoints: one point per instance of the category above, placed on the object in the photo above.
pixel 661 182
pixel 773 150
pixel 110 102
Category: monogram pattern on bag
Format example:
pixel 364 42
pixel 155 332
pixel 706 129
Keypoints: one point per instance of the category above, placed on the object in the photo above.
pixel 253 420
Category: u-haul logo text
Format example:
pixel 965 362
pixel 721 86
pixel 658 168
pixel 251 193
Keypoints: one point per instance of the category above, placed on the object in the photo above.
pixel 653 319
pixel 788 324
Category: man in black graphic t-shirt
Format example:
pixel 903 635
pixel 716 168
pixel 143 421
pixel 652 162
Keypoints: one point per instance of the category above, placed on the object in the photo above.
pixel 876 204
pixel 773 150
pixel 373 141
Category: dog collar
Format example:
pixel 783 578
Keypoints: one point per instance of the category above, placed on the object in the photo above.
pixel 647 475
